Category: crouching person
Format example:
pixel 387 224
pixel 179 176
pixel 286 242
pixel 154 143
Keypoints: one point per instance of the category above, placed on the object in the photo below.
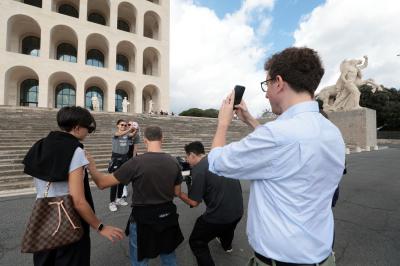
pixel 224 205
pixel 156 178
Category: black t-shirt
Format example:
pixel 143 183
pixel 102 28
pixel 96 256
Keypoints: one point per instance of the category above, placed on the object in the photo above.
pixel 153 175
pixel 222 196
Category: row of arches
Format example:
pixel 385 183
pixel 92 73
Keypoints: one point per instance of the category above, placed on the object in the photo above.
pixel 98 11
pixel 24 36
pixel 23 88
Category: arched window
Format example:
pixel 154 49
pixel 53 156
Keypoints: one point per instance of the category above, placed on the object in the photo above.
pixel 29 92
pixel 95 58
pixel 66 52
pixel 68 10
pixel 94 91
pixel 123 25
pixel 65 95
pixel 119 97
pixel 37 3
pixel 31 46
pixel 122 63
pixel 97 18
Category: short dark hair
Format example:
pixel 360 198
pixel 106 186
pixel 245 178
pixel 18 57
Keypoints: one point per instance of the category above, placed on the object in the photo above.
pixel 119 121
pixel 69 117
pixel 153 133
pixel 196 147
pixel 300 67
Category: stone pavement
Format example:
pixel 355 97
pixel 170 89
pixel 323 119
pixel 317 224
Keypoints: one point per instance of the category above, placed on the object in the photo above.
pixel 367 218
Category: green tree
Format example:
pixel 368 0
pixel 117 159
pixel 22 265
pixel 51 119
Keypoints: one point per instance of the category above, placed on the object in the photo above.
pixel 387 106
pixel 213 113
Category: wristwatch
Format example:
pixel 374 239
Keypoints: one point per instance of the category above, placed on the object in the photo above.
pixel 100 227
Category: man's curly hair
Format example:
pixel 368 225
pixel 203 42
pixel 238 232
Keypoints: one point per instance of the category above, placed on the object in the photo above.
pixel 301 68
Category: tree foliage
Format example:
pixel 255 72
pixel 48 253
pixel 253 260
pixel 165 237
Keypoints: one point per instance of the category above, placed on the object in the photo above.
pixel 387 106
pixel 213 113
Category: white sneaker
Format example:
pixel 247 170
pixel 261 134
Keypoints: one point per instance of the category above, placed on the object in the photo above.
pixel 113 207
pixel 125 192
pixel 121 202
pixel 229 250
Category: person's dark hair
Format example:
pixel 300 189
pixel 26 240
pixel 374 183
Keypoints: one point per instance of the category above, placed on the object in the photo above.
pixel 119 121
pixel 153 133
pixel 69 117
pixel 301 68
pixel 196 147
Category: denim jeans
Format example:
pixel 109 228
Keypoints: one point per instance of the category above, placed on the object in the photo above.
pixel 166 259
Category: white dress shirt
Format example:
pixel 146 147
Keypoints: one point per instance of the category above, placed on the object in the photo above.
pixel 295 164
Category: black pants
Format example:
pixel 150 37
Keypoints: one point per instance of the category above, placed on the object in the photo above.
pixel 116 192
pixel 203 232
pixel 75 254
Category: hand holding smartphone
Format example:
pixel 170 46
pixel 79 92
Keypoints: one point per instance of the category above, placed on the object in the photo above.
pixel 239 90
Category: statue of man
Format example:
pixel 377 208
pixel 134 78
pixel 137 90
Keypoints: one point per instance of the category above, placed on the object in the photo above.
pixel 151 106
pixel 348 96
pixel 125 104
pixel 346 90
pixel 95 103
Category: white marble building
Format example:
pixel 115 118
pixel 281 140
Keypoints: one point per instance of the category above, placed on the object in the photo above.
pixel 62 52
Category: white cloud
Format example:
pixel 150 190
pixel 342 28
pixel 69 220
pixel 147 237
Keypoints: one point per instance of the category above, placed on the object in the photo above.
pixel 342 29
pixel 210 55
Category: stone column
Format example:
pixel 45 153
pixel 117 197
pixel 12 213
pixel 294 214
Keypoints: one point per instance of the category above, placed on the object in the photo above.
pixel 83 10
pixel 113 14
pixel 2 85
pixel 45 42
pixel 138 99
pixel 81 50
pixel 80 92
pixel 43 96
pixel 110 106
pixel 112 55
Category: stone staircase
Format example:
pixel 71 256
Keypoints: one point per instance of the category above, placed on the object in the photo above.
pixel 20 127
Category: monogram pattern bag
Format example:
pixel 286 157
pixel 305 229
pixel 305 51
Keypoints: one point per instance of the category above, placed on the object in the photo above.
pixel 53 223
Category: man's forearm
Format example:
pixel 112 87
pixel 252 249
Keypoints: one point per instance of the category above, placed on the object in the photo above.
pixel 220 136
pixel 102 180
pixel 185 198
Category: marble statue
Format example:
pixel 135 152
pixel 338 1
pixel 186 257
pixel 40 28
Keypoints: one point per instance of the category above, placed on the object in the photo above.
pixel 95 103
pixel 345 94
pixel 151 106
pixel 125 104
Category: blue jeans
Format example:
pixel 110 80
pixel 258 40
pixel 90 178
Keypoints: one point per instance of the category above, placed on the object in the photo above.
pixel 166 259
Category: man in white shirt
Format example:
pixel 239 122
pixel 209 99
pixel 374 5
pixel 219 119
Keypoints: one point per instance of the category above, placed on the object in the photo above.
pixel 294 164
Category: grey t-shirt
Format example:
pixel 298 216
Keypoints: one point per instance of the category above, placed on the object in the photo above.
pixel 153 175
pixel 61 188
pixel 222 196
pixel 120 144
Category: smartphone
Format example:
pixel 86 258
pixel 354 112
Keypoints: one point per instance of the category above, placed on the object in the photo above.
pixel 239 90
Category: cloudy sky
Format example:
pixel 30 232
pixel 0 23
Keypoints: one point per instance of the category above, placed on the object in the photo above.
pixel 216 44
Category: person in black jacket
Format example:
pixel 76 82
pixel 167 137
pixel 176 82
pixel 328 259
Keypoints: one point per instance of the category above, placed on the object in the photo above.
pixel 224 205
pixel 60 159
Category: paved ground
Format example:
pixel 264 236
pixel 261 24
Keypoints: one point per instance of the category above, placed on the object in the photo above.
pixel 367 220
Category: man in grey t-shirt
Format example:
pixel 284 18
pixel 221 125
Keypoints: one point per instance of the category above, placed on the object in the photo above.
pixel 224 205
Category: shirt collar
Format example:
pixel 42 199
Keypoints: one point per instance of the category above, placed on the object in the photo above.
pixel 308 106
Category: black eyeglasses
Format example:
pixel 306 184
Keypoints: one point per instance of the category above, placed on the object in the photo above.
pixel 90 129
pixel 264 84
pixel 122 125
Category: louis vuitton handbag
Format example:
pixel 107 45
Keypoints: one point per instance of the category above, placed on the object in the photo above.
pixel 53 223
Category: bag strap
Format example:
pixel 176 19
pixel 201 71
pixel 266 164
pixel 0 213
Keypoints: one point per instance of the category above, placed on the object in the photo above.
pixel 46 191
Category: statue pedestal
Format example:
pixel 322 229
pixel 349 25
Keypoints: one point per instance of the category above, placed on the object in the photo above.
pixel 358 127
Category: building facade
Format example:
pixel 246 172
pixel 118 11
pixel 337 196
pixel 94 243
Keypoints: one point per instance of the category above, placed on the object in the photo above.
pixel 56 53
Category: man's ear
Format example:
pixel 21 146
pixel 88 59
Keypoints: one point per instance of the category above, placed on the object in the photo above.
pixel 145 141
